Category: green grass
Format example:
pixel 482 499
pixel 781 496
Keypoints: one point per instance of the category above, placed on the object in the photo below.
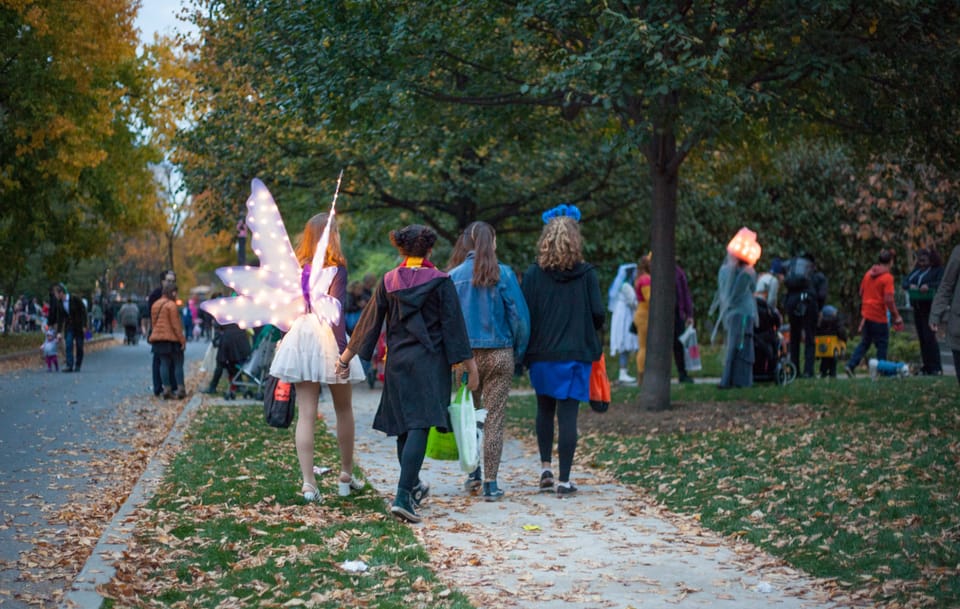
pixel 865 491
pixel 227 527
pixel 17 343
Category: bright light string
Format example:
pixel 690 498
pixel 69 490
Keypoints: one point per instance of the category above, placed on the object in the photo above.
pixel 272 291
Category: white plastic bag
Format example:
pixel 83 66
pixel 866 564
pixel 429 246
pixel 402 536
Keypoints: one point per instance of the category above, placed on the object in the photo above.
pixel 209 362
pixel 691 350
pixel 464 420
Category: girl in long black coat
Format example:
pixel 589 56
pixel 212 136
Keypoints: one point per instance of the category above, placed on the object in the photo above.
pixel 426 336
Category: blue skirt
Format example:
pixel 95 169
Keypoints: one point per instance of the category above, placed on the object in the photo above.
pixel 562 380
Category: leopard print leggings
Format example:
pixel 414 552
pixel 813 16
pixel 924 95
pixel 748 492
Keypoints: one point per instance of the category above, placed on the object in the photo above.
pixel 496 371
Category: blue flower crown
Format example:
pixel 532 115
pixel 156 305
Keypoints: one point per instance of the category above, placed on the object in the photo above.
pixel 561 210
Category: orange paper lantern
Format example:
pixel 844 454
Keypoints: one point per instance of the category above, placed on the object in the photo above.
pixel 744 246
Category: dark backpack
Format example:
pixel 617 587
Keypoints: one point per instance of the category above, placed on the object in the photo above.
pixel 799 274
pixel 278 402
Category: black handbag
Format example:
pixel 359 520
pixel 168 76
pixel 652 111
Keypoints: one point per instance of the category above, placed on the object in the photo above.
pixel 279 399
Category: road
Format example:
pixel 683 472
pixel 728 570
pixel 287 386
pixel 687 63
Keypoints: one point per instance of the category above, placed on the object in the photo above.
pixel 71 448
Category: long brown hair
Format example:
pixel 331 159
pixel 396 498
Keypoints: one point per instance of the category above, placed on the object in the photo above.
pixel 458 254
pixel 311 236
pixel 482 240
pixel 560 246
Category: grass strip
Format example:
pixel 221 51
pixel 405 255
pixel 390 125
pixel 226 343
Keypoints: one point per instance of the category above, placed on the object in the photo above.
pixel 228 528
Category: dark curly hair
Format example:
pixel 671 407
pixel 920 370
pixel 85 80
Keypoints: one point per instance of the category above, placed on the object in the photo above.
pixel 415 240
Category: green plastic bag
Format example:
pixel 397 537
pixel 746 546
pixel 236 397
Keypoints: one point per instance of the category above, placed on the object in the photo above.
pixel 442 446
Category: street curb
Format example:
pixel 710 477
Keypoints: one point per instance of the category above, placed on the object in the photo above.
pixel 98 568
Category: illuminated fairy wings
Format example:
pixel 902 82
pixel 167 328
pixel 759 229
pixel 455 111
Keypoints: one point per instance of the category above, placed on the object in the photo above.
pixel 272 293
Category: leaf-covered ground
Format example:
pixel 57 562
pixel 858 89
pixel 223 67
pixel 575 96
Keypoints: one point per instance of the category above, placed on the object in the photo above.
pixel 855 481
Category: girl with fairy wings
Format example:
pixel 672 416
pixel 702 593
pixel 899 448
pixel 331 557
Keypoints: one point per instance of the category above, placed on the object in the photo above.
pixel 301 292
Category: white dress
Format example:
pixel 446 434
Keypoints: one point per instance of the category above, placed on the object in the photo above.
pixel 621 339
pixel 309 351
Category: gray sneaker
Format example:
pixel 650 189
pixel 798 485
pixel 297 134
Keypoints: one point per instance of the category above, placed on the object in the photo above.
pixel 474 481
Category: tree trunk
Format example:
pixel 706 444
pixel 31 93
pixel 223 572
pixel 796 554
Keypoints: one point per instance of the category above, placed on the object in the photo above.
pixel 655 392
pixel 170 250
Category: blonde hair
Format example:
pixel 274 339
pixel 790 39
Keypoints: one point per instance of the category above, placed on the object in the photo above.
pixel 311 236
pixel 560 246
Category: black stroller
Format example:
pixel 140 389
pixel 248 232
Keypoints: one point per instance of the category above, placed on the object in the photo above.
pixel 771 356
pixel 250 378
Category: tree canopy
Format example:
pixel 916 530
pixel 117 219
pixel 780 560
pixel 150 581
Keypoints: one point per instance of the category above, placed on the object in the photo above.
pixel 73 166
pixel 452 111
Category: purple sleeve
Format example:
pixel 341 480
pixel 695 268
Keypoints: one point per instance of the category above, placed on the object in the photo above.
pixel 338 289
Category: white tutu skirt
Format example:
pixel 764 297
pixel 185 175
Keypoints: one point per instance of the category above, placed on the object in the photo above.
pixel 309 352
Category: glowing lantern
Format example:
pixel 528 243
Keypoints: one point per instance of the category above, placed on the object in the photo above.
pixel 744 246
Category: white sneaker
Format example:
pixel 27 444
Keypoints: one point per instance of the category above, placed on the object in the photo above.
pixel 626 378
pixel 873 364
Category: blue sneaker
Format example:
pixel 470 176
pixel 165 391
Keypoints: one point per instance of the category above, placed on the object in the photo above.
pixel 491 492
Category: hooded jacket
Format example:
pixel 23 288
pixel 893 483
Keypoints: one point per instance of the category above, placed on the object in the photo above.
pixel 566 313
pixel 425 335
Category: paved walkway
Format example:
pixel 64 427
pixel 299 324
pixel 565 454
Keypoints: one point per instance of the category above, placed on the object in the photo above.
pixel 59 435
pixel 609 546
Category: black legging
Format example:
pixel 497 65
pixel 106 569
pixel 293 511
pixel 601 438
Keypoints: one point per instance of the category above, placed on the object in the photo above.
pixel 566 413
pixel 411 447
pixel 929 348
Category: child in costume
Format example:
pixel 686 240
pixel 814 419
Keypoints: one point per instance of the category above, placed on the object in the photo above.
pixel 831 340
pixel 300 292
pixel 49 349
pixel 425 336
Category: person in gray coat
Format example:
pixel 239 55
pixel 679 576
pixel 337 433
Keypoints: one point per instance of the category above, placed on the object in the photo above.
pixel 946 307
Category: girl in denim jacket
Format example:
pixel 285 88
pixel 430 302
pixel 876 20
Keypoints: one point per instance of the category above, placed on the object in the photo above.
pixel 498 325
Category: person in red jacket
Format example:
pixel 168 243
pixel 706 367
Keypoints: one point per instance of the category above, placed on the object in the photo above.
pixel 876 295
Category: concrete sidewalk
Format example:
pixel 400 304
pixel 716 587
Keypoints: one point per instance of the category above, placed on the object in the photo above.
pixel 609 546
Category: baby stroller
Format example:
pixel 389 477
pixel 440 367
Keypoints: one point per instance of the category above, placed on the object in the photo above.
pixel 251 377
pixel 771 356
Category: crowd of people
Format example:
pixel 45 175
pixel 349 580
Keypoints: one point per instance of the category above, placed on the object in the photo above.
pixel 475 322
pixel 480 324
pixel 788 304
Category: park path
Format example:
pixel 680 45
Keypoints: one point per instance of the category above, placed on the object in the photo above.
pixel 609 546
pixel 61 439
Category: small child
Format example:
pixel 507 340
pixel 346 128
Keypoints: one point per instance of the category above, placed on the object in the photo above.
pixel 831 328
pixel 49 349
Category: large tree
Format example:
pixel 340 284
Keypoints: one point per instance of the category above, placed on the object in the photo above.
pixel 282 102
pixel 73 167
pixel 672 75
